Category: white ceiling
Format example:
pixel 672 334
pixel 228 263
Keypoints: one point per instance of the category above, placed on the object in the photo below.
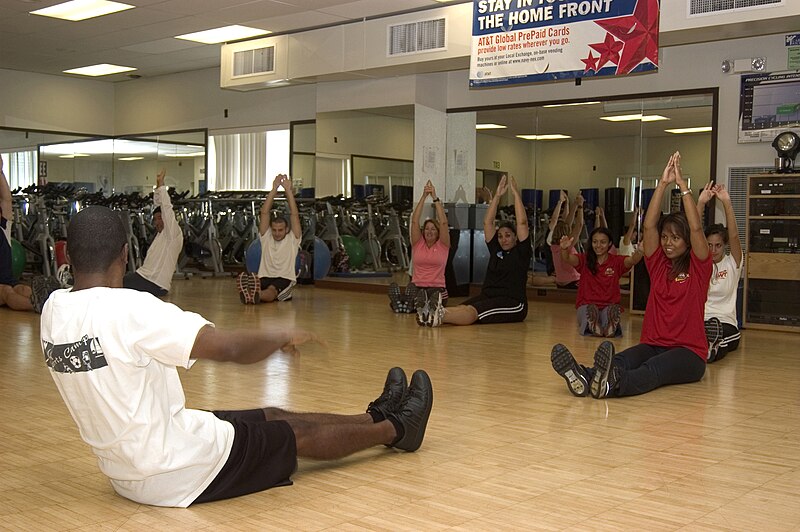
pixel 143 37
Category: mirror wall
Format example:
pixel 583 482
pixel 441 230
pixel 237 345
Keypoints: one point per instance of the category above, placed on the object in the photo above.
pixel 124 164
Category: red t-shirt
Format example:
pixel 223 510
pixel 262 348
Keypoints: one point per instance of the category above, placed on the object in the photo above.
pixel 674 313
pixel 602 288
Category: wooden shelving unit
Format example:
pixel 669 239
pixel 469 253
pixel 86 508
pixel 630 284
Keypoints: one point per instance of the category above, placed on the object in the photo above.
pixel 772 275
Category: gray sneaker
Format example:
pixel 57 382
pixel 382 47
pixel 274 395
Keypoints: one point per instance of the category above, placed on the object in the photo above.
pixel 423 305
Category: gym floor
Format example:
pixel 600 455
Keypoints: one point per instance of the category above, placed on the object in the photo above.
pixel 507 446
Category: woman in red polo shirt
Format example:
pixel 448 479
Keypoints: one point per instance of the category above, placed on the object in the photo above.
pixel 598 292
pixel 673 346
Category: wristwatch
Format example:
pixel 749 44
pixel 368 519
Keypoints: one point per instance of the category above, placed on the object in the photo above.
pixel 436 200
pixel 687 191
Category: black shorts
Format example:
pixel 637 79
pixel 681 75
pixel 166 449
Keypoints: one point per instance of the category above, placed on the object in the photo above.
pixel 284 287
pixel 498 309
pixel 263 456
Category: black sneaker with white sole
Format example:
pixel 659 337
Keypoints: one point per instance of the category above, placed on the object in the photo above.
pixel 414 412
pixel 566 366
pixel 605 378
pixel 394 297
pixel 394 391
pixel 714 336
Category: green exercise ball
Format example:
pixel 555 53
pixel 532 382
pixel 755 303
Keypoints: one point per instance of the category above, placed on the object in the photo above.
pixel 18 259
pixel 355 250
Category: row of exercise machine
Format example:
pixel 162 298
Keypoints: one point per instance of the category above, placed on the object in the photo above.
pixel 220 230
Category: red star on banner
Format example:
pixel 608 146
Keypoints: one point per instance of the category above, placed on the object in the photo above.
pixel 608 49
pixel 590 62
pixel 638 32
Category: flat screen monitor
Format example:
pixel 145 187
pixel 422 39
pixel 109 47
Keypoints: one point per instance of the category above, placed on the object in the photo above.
pixel 769 104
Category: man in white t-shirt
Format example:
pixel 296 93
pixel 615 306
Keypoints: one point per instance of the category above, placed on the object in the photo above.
pixel 280 243
pixel 113 355
pixel 155 274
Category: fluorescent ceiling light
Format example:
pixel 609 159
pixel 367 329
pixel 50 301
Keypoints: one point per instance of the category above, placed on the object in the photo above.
pixel 193 154
pixel 681 130
pixel 130 158
pixel 82 9
pixel 639 116
pixel 73 155
pixel 570 104
pixel 224 34
pixel 103 69
pixel 555 136
pixel 489 126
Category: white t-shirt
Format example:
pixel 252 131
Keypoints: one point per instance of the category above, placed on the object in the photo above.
pixel 721 302
pixel 624 249
pixel 278 256
pixel 162 255
pixel 112 353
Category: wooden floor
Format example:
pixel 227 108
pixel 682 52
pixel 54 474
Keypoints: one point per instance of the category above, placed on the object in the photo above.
pixel 507 447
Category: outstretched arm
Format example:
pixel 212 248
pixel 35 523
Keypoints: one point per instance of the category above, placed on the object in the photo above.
pixel 488 220
pixel 730 221
pixel 297 231
pixel 441 218
pixel 266 207
pixel 562 200
pixel 520 214
pixel 566 243
pixel 578 224
pixel 704 197
pixel 246 346
pixel 634 259
pixel 5 195
pixel 600 217
pixel 650 239
pixel 696 235
pixel 414 231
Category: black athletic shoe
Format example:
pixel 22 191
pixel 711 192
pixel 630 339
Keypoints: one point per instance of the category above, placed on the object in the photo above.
pixel 41 288
pixel 394 391
pixel 410 297
pixel 606 376
pixel 614 312
pixel 566 366
pixel 414 412
pixel 423 306
pixel 593 320
pixel 714 337
pixel 394 297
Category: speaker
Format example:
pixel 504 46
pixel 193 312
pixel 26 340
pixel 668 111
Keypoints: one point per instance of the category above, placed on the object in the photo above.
pixel 615 212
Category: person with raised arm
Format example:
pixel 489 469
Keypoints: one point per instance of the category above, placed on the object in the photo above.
pixel 503 296
pixel 155 274
pixel 722 326
pixel 280 243
pixel 673 346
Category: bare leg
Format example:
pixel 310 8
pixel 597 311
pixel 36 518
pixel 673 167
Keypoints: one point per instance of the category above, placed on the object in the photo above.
pixel 14 297
pixel 460 315
pixel 332 436
pixel 269 294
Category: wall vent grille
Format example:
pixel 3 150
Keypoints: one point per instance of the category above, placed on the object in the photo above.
pixel 705 7
pixel 416 37
pixel 256 61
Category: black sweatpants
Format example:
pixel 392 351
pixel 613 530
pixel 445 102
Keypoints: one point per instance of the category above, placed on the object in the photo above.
pixel 647 367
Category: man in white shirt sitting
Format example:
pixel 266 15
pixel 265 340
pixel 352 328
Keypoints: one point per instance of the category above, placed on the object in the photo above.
pixel 280 243
pixel 155 274
pixel 113 355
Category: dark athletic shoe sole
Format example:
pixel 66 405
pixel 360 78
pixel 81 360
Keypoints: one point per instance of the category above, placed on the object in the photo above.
pixel 602 366
pixel 566 366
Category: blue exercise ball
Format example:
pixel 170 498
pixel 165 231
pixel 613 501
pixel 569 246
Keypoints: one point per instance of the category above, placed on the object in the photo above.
pixel 252 257
pixel 18 259
pixel 322 258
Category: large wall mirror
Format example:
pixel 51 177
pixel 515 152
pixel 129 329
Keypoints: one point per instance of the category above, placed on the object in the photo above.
pixel 122 164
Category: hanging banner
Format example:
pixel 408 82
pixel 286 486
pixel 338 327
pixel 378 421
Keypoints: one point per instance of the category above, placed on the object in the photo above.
pixel 526 41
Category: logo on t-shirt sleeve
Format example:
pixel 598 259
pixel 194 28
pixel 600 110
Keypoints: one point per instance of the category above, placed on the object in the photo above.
pixel 83 355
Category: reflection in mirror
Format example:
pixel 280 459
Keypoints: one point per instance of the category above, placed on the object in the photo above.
pixel 383 140
pixel 303 158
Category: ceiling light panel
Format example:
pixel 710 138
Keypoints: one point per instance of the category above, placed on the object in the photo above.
pixel 224 34
pixel 489 126
pixel 103 69
pixel 685 130
pixel 82 9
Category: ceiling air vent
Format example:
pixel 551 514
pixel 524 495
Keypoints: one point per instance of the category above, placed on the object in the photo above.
pixel 416 37
pixel 704 7
pixel 255 61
